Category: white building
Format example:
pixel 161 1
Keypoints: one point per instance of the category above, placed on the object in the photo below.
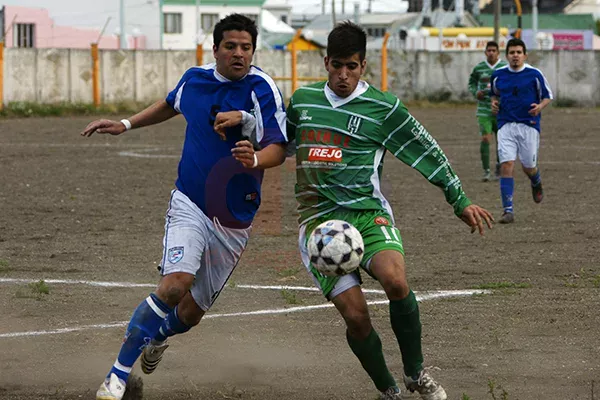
pixel 185 22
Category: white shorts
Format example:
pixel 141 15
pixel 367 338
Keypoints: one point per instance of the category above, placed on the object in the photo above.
pixel 518 139
pixel 198 246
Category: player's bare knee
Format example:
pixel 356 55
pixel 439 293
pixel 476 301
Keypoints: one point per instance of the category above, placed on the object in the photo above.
pixel 486 138
pixel 358 323
pixel 396 288
pixel 172 288
pixel 506 168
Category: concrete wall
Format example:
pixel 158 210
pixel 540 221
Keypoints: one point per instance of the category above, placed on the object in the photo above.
pixel 63 75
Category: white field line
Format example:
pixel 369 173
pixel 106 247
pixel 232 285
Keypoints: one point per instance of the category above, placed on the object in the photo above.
pixel 420 297
pixel 152 285
pixel 143 155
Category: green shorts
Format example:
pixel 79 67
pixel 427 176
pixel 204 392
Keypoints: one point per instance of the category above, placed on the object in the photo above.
pixel 487 125
pixel 377 232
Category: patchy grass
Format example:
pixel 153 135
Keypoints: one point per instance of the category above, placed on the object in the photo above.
pixel 504 285
pixel 20 109
pixel 35 290
pixel 287 272
pixel 290 297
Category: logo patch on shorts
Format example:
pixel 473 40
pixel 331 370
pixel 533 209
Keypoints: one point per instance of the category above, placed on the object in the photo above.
pixel 381 220
pixel 175 254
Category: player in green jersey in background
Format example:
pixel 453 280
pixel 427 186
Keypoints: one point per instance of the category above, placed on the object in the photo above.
pixel 479 86
pixel 343 128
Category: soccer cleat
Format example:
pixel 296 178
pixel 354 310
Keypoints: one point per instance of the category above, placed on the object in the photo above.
pixel 112 388
pixel 151 356
pixel 393 393
pixel 537 192
pixel 507 218
pixel 487 176
pixel 426 386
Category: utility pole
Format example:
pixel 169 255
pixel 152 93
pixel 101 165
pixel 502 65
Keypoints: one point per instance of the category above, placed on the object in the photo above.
pixel 333 19
pixel 343 7
pixel 161 23
pixel 357 13
pixel 322 7
pixel 198 21
pixel 369 7
pixel 497 12
pixel 534 22
pixel 122 34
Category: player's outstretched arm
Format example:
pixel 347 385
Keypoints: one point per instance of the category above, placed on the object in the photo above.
pixel 271 156
pixel 229 119
pixel 475 216
pixel 154 114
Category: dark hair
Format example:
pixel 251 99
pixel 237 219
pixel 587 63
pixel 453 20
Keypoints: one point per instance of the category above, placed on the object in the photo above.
pixel 347 39
pixel 516 43
pixel 491 43
pixel 235 22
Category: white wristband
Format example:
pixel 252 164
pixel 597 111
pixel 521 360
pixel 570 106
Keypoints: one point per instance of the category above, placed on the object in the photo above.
pixel 255 161
pixel 127 124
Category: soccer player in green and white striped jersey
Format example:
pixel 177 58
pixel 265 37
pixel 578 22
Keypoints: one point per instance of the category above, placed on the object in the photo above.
pixel 479 86
pixel 343 128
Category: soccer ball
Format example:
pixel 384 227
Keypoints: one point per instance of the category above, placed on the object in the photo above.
pixel 335 248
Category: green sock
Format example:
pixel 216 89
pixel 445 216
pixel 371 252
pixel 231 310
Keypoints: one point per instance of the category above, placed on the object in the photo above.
pixel 484 149
pixel 406 324
pixel 370 354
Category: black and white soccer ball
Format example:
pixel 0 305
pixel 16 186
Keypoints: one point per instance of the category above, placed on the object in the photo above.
pixel 335 248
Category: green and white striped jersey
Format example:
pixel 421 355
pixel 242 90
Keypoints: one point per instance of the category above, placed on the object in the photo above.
pixel 341 143
pixel 480 80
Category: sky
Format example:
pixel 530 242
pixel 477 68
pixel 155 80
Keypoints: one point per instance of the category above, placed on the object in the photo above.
pixel 89 12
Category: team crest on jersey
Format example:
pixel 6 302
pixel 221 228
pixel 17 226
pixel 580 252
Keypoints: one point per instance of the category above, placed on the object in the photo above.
pixel 304 116
pixel 354 123
pixel 175 254
pixel 379 220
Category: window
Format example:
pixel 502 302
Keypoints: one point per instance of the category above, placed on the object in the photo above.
pixel 208 21
pixel 172 23
pixel 284 18
pixel 376 32
pixel 24 35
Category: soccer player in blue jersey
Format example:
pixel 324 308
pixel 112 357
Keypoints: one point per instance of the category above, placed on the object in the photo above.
pixel 520 93
pixel 217 191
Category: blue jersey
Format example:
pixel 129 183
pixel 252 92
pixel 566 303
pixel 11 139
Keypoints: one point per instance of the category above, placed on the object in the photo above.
pixel 517 91
pixel 208 174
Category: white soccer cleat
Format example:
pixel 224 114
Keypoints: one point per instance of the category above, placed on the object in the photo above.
pixel 151 356
pixel 426 386
pixel 112 388
pixel 393 393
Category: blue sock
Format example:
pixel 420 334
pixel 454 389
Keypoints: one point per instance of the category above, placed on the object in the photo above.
pixel 536 179
pixel 144 324
pixel 171 326
pixel 507 186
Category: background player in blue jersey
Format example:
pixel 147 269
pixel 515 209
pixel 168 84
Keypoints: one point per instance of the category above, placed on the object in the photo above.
pixel 520 92
pixel 217 190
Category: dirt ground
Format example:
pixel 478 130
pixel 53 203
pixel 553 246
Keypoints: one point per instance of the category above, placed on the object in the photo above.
pixel 92 209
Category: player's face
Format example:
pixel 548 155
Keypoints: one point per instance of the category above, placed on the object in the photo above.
pixel 492 53
pixel 234 54
pixel 344 73
pixel 516 56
